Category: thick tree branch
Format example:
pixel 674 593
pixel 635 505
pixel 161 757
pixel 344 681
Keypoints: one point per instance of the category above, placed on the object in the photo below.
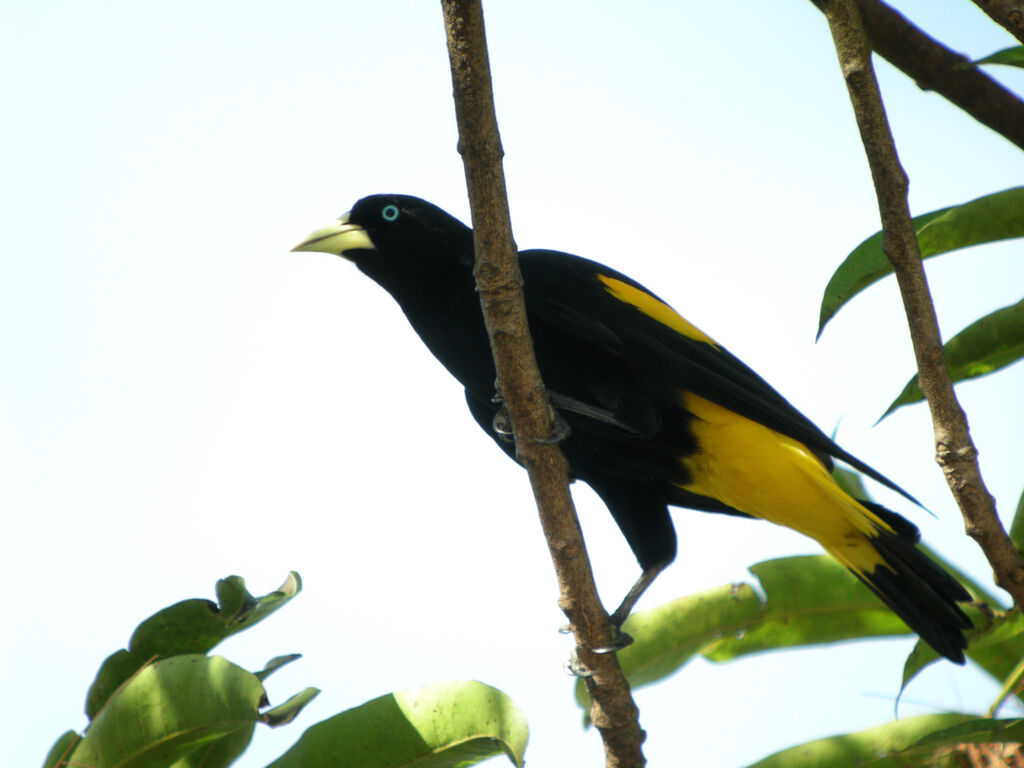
pixel 1009 14
pixel 955 452
pixel 934 67
pixel 499 282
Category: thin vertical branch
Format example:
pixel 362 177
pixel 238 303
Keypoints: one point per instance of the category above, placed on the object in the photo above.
pixel 955 452
pixel 499 282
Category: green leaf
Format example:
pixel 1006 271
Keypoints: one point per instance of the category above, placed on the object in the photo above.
pixel 985 346
pixel 445 724
pixel 999 216
pixel 1017 526
pixel 810 600
pixel 665 638
pixel 275 664
pixel 873 747
pixel 191 626
pixel 58 754
pixel 1012 57
pixel 289 710
pixel 171 709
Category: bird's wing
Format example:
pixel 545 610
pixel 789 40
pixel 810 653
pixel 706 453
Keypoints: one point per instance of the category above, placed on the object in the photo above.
pixel 600 307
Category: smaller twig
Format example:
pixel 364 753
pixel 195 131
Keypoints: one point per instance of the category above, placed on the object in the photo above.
pixel 955 452
pixel 499 283
pixel 1007 13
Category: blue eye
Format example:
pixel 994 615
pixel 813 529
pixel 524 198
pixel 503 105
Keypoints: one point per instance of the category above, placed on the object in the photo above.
pixel 389 212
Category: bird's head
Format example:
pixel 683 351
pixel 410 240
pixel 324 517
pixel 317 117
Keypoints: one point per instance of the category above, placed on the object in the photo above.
pixel 395 235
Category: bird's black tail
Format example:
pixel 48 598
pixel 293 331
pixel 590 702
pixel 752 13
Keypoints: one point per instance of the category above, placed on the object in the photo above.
pixel 916 589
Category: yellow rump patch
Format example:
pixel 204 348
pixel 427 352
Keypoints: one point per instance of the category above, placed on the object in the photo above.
pixel 763 473
pixel 655 309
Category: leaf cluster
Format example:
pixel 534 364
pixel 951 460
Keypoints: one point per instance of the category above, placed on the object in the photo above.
pixel 164 702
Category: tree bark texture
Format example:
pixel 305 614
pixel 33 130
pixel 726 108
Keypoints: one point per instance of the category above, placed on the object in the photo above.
pixel 955 452
pixel 499 282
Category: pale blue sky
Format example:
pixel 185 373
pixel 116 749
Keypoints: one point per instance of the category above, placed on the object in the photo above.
pixel 185 399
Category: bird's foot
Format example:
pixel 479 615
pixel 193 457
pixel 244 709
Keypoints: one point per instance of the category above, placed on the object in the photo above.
pixel 577 668
pixel 620 641
pixel 502 425
pixel 560 429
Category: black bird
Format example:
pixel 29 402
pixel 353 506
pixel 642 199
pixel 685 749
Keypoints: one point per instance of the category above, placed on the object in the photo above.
pixel 658 413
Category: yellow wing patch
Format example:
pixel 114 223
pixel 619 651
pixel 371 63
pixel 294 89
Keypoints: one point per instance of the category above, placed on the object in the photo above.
pixel 761 472
pixel 655 309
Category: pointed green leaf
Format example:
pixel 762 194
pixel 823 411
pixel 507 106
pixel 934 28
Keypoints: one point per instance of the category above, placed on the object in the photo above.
pixel 1011 57
pixel 289 710
pixel 275 664
pixel 922 657
pixel 445 724
pixel 170 709
pixel 877 747
pixel 999 216
pixel 983 347
pixel 191 626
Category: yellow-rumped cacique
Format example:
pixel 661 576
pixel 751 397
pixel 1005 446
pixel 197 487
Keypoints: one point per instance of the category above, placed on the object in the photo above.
pixel 657 413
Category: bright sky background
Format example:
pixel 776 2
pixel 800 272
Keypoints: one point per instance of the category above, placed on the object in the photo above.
pixel 184 399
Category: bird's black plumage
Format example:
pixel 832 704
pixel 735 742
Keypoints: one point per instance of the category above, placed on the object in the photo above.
pixel 660 414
